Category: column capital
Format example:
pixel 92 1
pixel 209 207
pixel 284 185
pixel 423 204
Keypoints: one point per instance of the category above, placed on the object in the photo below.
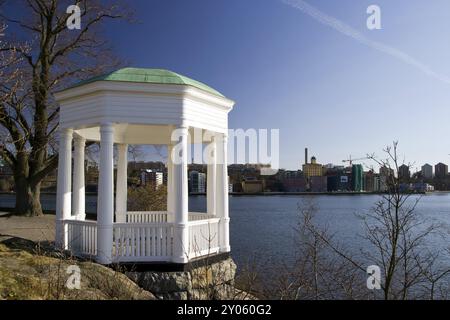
pixel 213 138
pixel 106 127
pixel 79 139
pixel 179 133
pixel 67 132
pixel 183 129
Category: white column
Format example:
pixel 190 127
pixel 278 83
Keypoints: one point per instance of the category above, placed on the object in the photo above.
pixel 78 179
pixel 64 184
pixel 170 190
pixel 180 195
pixel 122 185
pixel 211 178
pixel 222 194
pixel 105 195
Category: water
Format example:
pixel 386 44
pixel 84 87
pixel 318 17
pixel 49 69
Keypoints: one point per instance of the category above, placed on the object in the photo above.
pixel 263 227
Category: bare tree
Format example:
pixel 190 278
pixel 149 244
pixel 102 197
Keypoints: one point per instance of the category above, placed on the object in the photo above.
pixel 398 234
pixel 397 238
pixel 323 269
pixel 46 56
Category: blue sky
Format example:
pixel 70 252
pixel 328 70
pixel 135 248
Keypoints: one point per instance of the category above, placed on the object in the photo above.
pixel 288 71
pixel 321 88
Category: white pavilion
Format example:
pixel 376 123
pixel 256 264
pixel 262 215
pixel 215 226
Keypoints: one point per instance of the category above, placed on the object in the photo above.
pixel 134 106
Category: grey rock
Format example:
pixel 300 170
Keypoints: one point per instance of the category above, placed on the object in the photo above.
pixel 210 281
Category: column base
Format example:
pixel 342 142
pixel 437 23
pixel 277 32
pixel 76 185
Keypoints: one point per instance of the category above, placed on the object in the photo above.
pixel 80 217
pixel 225 249
pixel 103 260
pixel 181 243
pixel 182 260
pixel 121 217
pixel 104 244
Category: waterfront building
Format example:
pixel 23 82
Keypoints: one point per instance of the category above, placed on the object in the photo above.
pixel 252 186
pixel 289 174
pixel 295 183
pixel 141 107
pixel 312 169
pixel 404 173
pixel 197 182
pixel 152 177
pixel 146 165
pixel 339 179
pixel 5 168
pixel 427 171
pixel 376 183
pixel 237 172
pixel 385 174
pixel 357 178
pixel 440 170
pixel 370 181
pixel 338 183
pixel 423 187
pixel 318 184
pixel 6 177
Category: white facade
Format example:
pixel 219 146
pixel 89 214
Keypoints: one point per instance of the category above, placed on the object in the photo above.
pixel 197 181
pixel 119 113
pixel 152 177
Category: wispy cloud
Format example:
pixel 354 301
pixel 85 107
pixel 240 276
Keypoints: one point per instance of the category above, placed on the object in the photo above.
pixel 347 30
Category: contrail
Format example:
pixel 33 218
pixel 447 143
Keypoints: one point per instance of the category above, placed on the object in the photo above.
pixel 358 36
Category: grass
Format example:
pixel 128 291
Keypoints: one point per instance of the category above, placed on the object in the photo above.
pixel 28 271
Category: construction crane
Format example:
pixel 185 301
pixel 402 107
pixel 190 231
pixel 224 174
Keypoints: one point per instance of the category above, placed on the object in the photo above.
pixel 350 160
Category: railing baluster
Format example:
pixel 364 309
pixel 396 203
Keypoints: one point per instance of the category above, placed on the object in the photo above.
pixel 153 234
pixel 147 241
pixel 142 242
pixel 164 241
pixel 158 232
pixel 138 242
pixel 127 241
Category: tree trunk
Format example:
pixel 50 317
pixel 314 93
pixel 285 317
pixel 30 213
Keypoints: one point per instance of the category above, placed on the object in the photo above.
pixel 28 201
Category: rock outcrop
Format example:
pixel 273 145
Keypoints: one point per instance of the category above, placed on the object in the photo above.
pixel 205 282
pixel 28 271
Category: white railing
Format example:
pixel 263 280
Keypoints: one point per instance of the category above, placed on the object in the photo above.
pixel 145 241
pixel 203 237
pixel 146 216
pixel 195 216
pixel 142 242
pixel 160 216
pixel 82 237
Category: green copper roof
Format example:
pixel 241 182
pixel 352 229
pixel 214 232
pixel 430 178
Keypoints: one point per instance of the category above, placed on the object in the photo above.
pixel 158 76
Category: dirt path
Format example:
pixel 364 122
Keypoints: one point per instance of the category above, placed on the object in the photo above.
pixel 34 228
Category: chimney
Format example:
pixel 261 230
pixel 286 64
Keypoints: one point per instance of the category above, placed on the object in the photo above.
pixel 306 155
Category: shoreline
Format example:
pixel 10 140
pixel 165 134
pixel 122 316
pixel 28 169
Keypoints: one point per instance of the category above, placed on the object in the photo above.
pixel 340 193
pixel 305 193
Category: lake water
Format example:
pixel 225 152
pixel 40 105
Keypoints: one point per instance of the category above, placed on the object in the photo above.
pixel 262 227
